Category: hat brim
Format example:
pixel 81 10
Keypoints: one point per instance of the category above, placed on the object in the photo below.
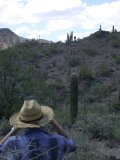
pixel 48 115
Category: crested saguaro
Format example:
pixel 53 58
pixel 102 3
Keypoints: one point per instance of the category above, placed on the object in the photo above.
pixel 73 97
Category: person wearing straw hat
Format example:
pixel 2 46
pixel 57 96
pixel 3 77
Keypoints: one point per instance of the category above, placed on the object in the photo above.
pixel 35 142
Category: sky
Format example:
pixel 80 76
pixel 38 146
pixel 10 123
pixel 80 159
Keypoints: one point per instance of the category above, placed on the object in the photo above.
pixel 53 19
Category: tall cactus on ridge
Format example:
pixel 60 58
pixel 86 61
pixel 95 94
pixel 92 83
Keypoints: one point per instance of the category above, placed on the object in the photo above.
pixel 119 92
pixel 71 36
pixel 68 38
pixel 73 97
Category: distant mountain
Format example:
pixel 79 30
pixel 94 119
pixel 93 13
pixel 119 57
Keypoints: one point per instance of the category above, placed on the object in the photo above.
pixel 9 39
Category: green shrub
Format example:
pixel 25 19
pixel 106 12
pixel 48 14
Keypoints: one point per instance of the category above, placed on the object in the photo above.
pixel 101 34
pixel 74 61
pixel 52 50
pixel 115 40
pixel 117 59
pixel 116 133
pixel 52 92
pixel 86 149
pixel 19 79
pixel 90 98
pixel 85 74
pixel 97 108
pixel 115 104
pixel 98 34
pixel 115 43
pixel 114 36
pixel 99 126
pixel 104 70
pixel 90 50
pixel 100 91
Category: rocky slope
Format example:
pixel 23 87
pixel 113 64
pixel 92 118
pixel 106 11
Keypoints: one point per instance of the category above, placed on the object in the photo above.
pixel 96 59
pixel 9 38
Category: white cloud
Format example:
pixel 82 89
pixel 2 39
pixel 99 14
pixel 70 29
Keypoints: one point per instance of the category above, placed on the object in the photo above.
pixel 31 33
pixel 58 15
pixel 38 6
pixel 62 37
pixel 21 11
pixel 51 26
pixel 80 35
pixel 104 14
pixel 22 29
pixel 54 25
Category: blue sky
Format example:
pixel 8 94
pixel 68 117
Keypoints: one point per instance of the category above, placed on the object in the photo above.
pixel 53 19
pixel 92 2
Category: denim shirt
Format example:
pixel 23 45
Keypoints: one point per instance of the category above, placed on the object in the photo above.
pixel 37 144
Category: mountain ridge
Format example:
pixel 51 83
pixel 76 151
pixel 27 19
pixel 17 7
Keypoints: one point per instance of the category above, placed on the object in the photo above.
pixel 9 39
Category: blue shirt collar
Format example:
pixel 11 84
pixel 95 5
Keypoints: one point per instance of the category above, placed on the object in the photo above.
pixel 35 130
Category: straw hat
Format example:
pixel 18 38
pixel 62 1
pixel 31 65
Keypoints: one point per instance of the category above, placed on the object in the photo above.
pixel 32 115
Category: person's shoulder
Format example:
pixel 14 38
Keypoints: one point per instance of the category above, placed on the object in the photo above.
pixel 11 138
pixel 68 143
pixel 60 137
pixel 7 143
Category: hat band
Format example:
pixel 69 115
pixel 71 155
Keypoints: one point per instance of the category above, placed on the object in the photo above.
pixel 31 120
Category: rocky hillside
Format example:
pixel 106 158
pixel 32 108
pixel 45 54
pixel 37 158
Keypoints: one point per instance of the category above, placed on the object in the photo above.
pixel 42 71
pixel 45 69
pixel 96 59
pixel 97 55
pixel 9 38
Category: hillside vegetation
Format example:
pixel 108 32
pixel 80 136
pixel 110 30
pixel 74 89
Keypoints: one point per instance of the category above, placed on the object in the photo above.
pixel 42 71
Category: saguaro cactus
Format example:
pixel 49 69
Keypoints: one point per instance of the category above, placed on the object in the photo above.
pixel 100 29
pixel 71 36
pixel 73 97
pixel 113 29
pixel 119 92
pixel 68 38
pixel 109 105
